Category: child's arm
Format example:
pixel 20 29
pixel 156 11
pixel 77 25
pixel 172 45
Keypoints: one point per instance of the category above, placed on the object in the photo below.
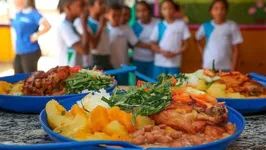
pixel 95 39
pixel 199 35
pixel 86 35
pixel 236 49
pixel 143 45
pixel 38 18
pixel 237 39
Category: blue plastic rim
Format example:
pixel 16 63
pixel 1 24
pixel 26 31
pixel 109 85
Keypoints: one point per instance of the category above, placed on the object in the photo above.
pixel 31 104
pixel 234 117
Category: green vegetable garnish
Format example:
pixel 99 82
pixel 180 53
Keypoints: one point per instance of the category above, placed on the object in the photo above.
pixel 146 100
pixel 87 80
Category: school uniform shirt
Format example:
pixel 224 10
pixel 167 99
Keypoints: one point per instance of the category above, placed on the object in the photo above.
pixel 119 39
pixel 170 38
pixel 220 39
pixel 143 33
pixel 67 37
pixel 25 23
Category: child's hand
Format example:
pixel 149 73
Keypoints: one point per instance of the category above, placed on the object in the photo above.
pixel 169 54
pixel 34 37
pixel 103 21
pixel 84 15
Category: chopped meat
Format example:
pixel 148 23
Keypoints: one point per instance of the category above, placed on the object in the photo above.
pixel 46 84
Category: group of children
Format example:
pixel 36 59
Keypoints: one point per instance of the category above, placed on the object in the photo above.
pixel 89 31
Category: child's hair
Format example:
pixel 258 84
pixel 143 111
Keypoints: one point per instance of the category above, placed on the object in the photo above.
pixel 177 6
pixel 145 4
pixel 226 4
pixel 60 6
pixel 30 3
pixel 92 2
pixel 126 7
pixel 115 7
pixel 66 3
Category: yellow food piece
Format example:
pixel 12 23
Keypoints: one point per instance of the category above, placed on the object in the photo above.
pixel 235 95
pixel 99 136
pixel 169 129
pixel 99 118
pixel 115 127
pixel 5 87
pixel 75 110
pixel 81 136
pixel 217 90
pixel 17 88
pixel 80 123
pixel 202 85
pixel 122 117
pixel 57 115
pixel 142 121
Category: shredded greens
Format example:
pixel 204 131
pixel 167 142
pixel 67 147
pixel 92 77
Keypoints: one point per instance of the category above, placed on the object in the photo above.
pixel 87 80
pixel 146 100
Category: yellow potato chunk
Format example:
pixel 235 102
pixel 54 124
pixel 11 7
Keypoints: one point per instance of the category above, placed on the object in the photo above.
pixel 57 115
pixel 142 121
pixel 202 85
pixel 234 95
pixel 5 87
pixel 115 127
pixel 217 90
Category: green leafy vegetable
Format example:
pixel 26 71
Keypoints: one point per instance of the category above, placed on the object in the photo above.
pixel 87 80
pixel 146 100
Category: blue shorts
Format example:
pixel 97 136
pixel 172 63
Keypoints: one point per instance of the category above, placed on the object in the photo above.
pixel 145 68
pixel 159 70
pixel 122 79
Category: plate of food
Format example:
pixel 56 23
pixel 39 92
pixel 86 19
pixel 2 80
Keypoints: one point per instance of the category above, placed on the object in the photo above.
pixel 151 116
pixel 28 93
pixel 245 93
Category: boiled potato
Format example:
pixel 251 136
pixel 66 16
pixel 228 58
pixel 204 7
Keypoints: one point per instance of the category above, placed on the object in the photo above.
pixel 202 85
pixel 81 135
pixel 80 122
pixel 234 95
pixel 217 90
pixel 57 115
pixel 17 88
pixel 115 127
pixel 142 121
pixel 99 136
pixel 5 87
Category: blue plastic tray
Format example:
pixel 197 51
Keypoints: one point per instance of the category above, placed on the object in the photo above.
pixel 30 104
pixel 234 117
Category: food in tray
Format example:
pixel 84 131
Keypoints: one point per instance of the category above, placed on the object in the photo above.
pixel 59 81
pixel 222 84
pixel 149 115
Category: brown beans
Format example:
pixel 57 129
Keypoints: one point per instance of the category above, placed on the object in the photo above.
pixel 162 126
pixel 148 128
pixel 139 140
pixel 161 139
pixel 175 135
pixel 138 133
pixel 149 138
pixel 177 144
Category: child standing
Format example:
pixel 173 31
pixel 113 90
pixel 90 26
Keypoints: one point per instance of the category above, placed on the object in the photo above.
pixel 143 56
pixel 70 41
pixel 170 40
pixel 119 39
pixel 221 35
pixel 99 41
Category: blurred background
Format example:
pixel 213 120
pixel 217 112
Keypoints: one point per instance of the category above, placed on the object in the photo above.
pixel 249 14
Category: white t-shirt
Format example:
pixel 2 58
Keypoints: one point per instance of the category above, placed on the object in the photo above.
pixel 119 39
pixel 220 39
pixel 170 38
pixel 143 33
pixel 93 26
pixel 67 36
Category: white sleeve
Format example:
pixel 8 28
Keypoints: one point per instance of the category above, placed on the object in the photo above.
pixel 200 33
pixel 132 39
pixel 155 34
pixel 78 26
pixel 68 35
pixel 236 35
pixel 186 32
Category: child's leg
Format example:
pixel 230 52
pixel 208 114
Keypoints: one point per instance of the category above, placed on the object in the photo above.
pixel 122 79
pixel 173 70
pixel 158 70
pixel 145 68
